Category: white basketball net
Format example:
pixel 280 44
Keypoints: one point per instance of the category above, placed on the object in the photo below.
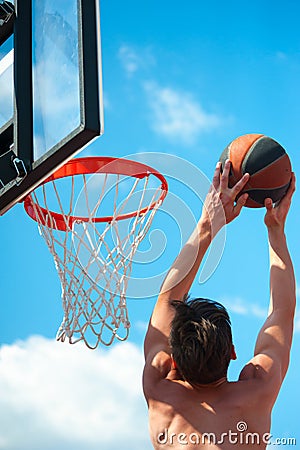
pixel 94 260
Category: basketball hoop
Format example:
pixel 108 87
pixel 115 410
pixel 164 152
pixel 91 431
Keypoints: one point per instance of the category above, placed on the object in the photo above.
pixel 93 249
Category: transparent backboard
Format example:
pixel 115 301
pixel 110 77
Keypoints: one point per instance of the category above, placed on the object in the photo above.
pixel 56 82
pixel 62 112
pixel 6 83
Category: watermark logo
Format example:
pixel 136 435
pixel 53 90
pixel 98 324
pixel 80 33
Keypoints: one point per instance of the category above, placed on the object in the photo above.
pixel 241 426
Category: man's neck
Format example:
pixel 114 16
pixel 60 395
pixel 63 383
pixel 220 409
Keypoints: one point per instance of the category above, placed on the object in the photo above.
pixel 214 384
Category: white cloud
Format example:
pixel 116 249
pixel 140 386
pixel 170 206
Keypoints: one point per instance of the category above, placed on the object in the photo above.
pixel 129 59
pixel 6 62
pixel 135 59
pixel 68 397
pixel 297 322
pixel 242 307
pixel 297 316
pixel 177 115
pixel 237 307
pixel 106 101
pixel 142 326
pixel 6 88
pixel 281 56
pixel 54 97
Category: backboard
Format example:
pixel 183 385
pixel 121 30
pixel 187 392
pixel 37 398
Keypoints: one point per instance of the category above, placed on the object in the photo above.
pixel 50 89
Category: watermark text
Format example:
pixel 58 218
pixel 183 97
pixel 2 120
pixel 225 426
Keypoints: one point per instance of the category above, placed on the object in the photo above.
pixel 239 436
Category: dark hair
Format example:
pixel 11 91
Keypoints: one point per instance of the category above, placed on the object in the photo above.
pixel 201 340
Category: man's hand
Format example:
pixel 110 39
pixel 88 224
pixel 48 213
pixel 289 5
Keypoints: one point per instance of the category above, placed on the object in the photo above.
pixel 221 206
pixel 276 216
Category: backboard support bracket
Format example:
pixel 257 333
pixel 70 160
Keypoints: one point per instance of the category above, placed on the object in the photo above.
pixel 15 170
pixel 7 18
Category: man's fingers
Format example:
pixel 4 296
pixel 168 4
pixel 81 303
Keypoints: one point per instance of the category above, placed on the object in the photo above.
pixel 225 175
pixel 292 187
pixel 268 204
pixel 216 177
pixel 286 200
pixel 238 187
pixel 240 203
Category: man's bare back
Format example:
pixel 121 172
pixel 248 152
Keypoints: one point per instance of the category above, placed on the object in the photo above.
pixel 224 415
pixel 220 414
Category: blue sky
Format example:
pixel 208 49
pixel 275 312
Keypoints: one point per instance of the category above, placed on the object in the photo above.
pixel 181 80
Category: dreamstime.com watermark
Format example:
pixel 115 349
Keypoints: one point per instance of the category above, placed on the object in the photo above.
pixel 240 436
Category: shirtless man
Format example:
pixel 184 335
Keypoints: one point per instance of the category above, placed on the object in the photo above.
pixel 188 345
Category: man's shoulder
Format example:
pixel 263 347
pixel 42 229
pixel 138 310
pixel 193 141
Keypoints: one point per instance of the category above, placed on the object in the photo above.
pixel 172 389
pixel 264 376
pixel 158 364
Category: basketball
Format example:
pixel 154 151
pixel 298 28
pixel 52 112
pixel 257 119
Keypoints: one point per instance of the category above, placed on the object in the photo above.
pixel 267 163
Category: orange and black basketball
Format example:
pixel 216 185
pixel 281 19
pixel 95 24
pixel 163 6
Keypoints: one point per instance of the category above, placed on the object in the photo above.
pixel 267 163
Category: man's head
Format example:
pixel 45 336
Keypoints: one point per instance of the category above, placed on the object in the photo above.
pixel 201 340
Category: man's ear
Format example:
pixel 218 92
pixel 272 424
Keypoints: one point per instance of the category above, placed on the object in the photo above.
pixel 174 365
pixel 233 353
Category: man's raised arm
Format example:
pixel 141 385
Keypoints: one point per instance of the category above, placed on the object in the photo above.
pixel 271 354
pixel 219 209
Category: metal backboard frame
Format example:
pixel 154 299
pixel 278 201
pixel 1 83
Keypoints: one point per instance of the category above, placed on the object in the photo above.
pixel 22 167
